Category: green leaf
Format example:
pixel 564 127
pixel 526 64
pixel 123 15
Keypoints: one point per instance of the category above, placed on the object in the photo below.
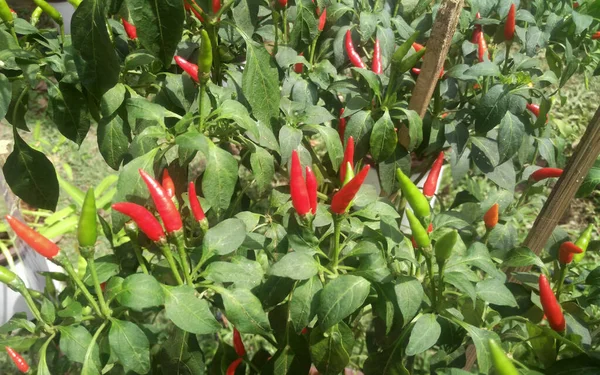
pixel 383 139
pixel 140 291
pixel 112 99
pixel 483 69
pixel 225 237
pixel 74 343
pixel 591 180
pixel 106 267
pixel 303 306
pixel 97 64
pixel 263 168
pixel 330 350
pixel 189 312
pixel 359 126
pixel 335 150
pixel 485 153
pixel 535 38
pixel 341 297
pixel 48 311
pixel 260 83
pixel 297 266
pixel 91 360
pixel 409 295
pixel 131 187
pixel 182 355
pixel 113 140
pixel 31 176
pixel 289 140
pixel 42 366
pixel 130 345
pixel 189 143
pixel 242 272
pixel 481 338
pixel 159 26
pixel 491 108
pixel 305 26
pixel 234 110
pixel 5 95
pixel 461 282
pixel 219 179
pixel 494 291
pixel 581 21
pixel 245 15
pixel 68 110
pixel 245 311
pixel 510 136
pixel 424 335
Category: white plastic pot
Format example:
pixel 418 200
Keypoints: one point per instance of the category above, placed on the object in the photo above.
pixel 67 11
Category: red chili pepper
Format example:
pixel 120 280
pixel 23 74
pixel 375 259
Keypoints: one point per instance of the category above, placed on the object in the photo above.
pixel 103 286
pixel 477 32
pixel 164 205
pixel 377 58
pixel 509 26
pixel 491 217
pixel 196 13
pixel 575 5
pixel 596 35
pixel 551 306
pixel 416 71
pixel 348 158
pixel 482 48
pixel 238 344
pixel 342 199
pixel 566 252
pixel 17 359
pixel 234 365
pixel 167 183
pixel 143 218
pixel 533 108
pixel 39 243
pixel 282 3
pixel 351 52
pixel 129 29
pixel 417 47
pixel 434 174
pixel 195 206
pixel 216 6
pixel 322 19
pixel 429 230
pixel 299 67
pixel 188 67
pixel 311 187
pixel 298 191
pixel 342 125
pixel 317 10
pixel 544 173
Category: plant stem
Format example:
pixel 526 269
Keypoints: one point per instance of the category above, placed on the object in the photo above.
pixel 561 280
pixel 429 261
pixel 32 306
pixel 485 237
pixel 313 47
pixel 200 114
pixel 166 250
pixel 71 272
pixel 441 286
pixel 505 68
pixel 285 26
pixel 337 229
pixel 132 234
pixel 99 293
pixel 178 238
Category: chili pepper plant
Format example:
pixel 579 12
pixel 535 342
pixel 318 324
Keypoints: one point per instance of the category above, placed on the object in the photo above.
pixel 245 236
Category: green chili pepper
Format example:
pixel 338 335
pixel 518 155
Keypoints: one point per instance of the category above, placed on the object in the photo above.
pixel 35 16
pixel 399 54
pixel 5 13
pixel 6 275
pixel 413 195
pixel 582 242
pixel 410 61
pixel 443 247
pixel 205 56
pixel 87 233
pixel 419 233
pixel 50 10
pixel 502 363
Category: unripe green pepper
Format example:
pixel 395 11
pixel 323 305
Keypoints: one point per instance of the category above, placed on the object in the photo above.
pixel 410 61
pixel 582 242
pixel 419 233
pixel 5 13
pixel 87 233
pixel 205 56
pixel 413 195
pixel 6 275
pixel 35 15
pixel 443 247
pixel 399 54
pixel 50 11
pixel 502 363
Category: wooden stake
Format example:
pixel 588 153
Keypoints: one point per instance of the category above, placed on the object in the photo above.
pixel 437 49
